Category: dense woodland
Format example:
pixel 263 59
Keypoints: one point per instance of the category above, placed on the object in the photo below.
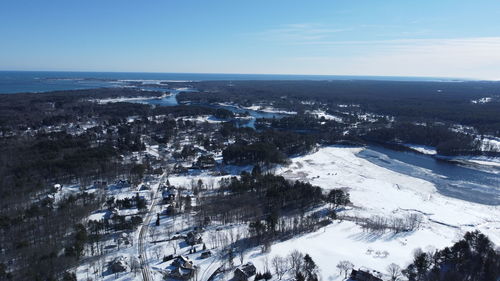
pixel 423 101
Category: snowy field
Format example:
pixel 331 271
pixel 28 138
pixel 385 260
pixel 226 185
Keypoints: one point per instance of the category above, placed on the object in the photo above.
pixel 268 109
pixel 378 191
pixel 321 113
pixel 129 99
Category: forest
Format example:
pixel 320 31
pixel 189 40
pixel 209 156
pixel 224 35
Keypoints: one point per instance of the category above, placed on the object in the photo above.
pixel 472 258
pixel 272 205
pixel 410 101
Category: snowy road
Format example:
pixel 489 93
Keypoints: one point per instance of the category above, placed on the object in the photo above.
pixel 146 271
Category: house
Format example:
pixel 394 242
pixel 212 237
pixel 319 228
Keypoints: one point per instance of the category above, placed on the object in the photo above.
pixel 122 183
pixel 119 264
pixel 181 273
pixel 169 209
pixel 244 272
pixel 206 254
pixel 179 169
pixel 182 261
pixel 114 212
pixel 204 162
pixel 168 195
pixel 193 238
pixel 123 239
pixel 182 268
pixel 365 275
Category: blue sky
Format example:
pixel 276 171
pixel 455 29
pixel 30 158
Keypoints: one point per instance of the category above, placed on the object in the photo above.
pixel 440 38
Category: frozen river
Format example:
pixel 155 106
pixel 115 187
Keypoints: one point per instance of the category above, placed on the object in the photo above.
pixel 450 179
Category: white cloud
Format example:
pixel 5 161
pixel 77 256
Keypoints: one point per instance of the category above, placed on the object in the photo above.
pixel 313 48
pixel 299 33
pixel 459 57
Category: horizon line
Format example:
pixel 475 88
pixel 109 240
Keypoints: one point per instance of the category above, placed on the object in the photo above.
pixel 262 74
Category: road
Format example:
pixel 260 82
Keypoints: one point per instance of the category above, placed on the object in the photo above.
pixel 142 241
pixel 143 256
pixel 212 269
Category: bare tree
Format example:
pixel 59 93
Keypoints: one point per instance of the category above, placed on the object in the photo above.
pixel 295 261
pixel 230 257
pixel 232 236
pixel 153 233
pixel 211 184
pixel 241 253
pixel 413 221
pixel 212 237
pixel 345 267
pixel 394 271
pixel 158 251
pixel 280 266
pixel 174 245
pixel 266 246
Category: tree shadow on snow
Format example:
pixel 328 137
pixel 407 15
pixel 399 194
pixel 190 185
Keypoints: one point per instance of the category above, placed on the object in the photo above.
pixel 374 236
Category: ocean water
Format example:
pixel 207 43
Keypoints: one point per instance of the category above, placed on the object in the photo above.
pixel 44 81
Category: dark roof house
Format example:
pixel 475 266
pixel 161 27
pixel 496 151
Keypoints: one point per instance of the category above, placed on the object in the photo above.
pixel 364 275
pixel 206 254
pixel 182 273
pixel 182 261
pixel 244 272
pixel 182 268
pixel 193 238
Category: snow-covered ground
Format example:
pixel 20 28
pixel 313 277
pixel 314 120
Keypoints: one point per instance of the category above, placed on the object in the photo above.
pixel 203 119
pixel 487 161
pixel 490 143
pixel 129 99
pixel 268 109
pixel 487 144
pixel 347 241
pixel 491 164
pixel 320 113
pixel 424 149
pixel 482 100
pixel 378 191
